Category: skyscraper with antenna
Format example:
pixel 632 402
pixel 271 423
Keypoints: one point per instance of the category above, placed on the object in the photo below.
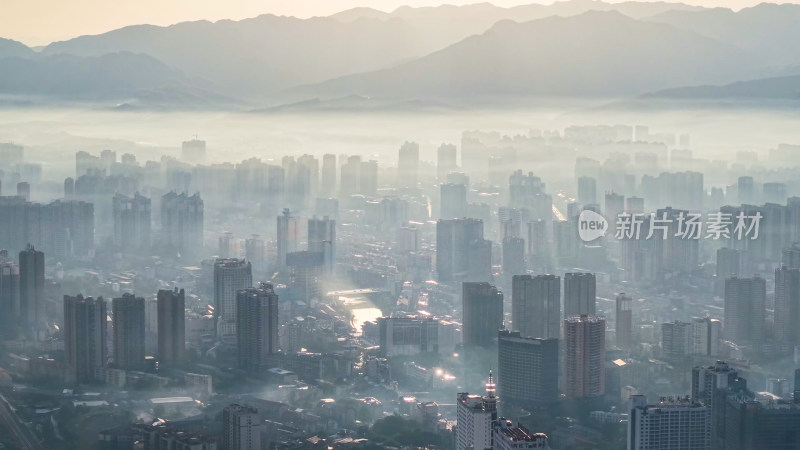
pixel 476 416
pixel 490 400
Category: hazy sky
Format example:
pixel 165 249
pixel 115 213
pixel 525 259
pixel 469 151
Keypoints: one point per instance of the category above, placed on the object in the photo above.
pixel 38 22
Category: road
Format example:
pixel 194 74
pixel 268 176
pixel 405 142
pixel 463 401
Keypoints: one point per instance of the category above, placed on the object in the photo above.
pixel 21 433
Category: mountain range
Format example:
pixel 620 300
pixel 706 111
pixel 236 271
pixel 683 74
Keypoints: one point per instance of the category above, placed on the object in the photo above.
pixel 11 48
pixel 778 88
pixel 601 54
pixel 431 55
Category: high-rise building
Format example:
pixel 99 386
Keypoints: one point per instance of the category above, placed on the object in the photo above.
pixel 536 305
pixel 453 201
pixel 774 192
pixel 778 386
pixel 539 243
pixel 745 308
pixel 85 346
pixel 256 326
pixel 446 161
pixel 513 256
pixel 31 289
pixel 511 220
pixel 131 222
pixel 368 178
pixel 458 178
pixel 461 251
pixel 669 251
pixel 276 181
pixel 587 190
pixel 255 251
pixel 230 277
pixel 584 356
pixel 11 153
pixel 672 423
pixel 624 321
pixel 228 246
pixel 634 205
pixel 70 230
pixel 746 190
pixel 171 326
pixel 308 169
pixel 730 263
pixel 305 269
pixel 614 206
pixel 241 428
pixel 84 162
pixel 676 339
pixel 580 294
pixel 408 335
pixel 24 190
pixel 151 325
pixel 482 307
pixel 288 237
pixel 742 419
pixel 507 436
pixel 328 185
pixel 528 191
pixel 708 386
pixel 791 255
pixel 796 391
pixel 527 369
pixel 787 308
pixel 298 180
pixel 475 416
pixel 566 245
pixel 681 189
pixel 69 189
pixel 107 159
pixel 408 165
pixel 408 239
pixel 129 336
pixel 350 180
pixel 322 239
pixel 9 298
pixel 757 421
pixel 706 336
pixel 182 223
pixel 193 151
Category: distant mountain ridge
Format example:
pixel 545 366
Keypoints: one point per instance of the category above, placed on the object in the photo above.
pixel 768 29
pixel 593 54
pixel 490 14
pixel 777 88
pixel 443 55
pixel 115 78
pixel 256 57
pixel 11 48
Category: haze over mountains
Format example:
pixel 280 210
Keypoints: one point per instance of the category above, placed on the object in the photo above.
pixel 556 56
pixel 443 55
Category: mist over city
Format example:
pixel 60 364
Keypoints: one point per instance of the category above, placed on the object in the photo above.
pixel 341 225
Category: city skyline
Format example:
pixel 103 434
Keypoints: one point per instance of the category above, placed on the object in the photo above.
pixel 289 309
pixel 535 227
